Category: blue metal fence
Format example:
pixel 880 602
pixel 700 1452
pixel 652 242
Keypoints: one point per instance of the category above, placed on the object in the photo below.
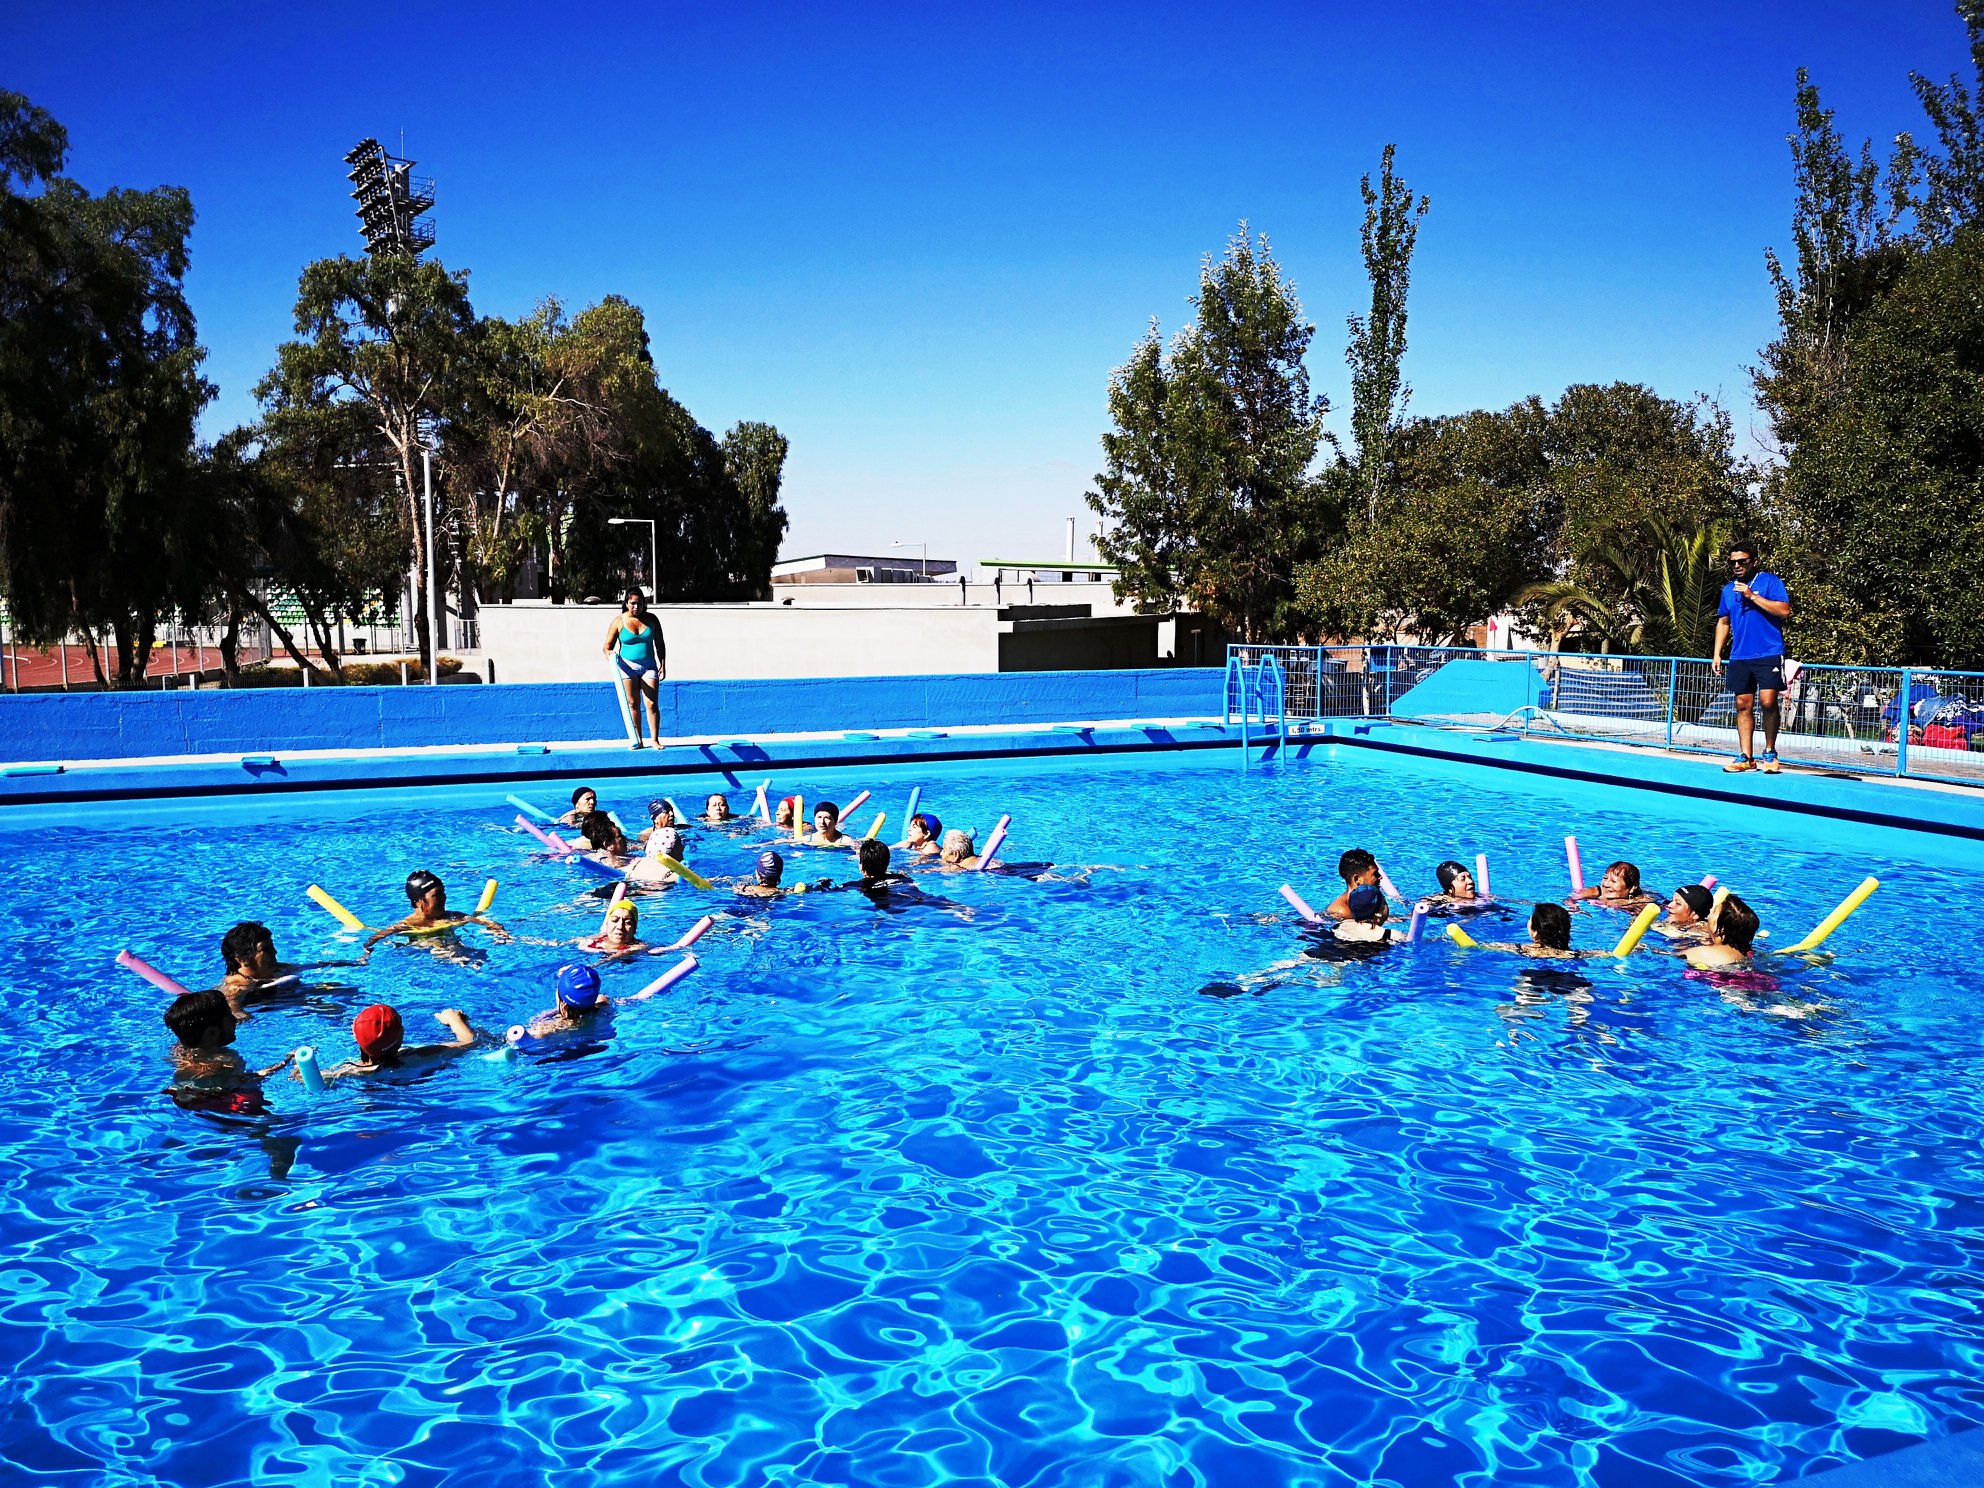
pixel 1916 721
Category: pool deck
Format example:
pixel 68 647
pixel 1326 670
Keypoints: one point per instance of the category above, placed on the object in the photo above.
pixel 1875 800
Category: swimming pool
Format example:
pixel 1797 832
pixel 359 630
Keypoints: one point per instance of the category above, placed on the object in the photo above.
pixel 992 1192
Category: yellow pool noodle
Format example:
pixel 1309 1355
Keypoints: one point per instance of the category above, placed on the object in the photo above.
pixel 683 871
pixel 488 897
pixel 1642 922
pixel 798 818
pixel 875 826
pixel 342 915
pixel 1837 918
pixel 1721 894
pixel 1460 937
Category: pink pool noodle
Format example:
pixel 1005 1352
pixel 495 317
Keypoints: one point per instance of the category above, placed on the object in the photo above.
pixel 1481 888
pixel 1577 865
pixel 667 979
pixel 151 974
pixel 852 806
pixel 1390 888
pixel 697 931
pixel 1708 882
pixel 551 840
pixel 1300 908
pixel 993 843
pixel 1417 925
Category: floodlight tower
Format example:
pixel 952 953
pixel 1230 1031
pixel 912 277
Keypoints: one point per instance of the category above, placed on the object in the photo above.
pixel 391 201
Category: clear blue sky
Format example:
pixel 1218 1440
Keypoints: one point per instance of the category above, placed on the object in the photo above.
pixel 918 239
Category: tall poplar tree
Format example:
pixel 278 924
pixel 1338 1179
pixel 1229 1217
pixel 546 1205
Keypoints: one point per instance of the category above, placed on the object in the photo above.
pixel 1378 390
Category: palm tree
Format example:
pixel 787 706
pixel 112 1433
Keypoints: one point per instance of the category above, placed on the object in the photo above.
pixel 1651 589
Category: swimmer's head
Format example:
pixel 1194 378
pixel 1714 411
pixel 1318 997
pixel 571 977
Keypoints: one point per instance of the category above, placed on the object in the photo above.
pixel 957 845
pixel 1735 925
pixel 874 858
pixel 1550 927
pixel 201 1020
pixel 717 807
pixel 623 909
pixel 826 815
pixel 662 812
pixel 245 946
pixel 1621 881
pixel 1367 904
pixel 602 831
pixel 578 987
pixel 1357 866
pixel 1451 874
pixel 666 843
pixel 1690 904
pixel 420 883
pixel 786 806
pixel 378 1031
pixel 923 827
pixel 585 799
pixel 771 868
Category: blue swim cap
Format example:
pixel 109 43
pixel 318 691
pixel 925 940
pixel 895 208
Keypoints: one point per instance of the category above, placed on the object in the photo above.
pixel 1365 901
pixel 578 986
pixel 931 826
pixel 771 868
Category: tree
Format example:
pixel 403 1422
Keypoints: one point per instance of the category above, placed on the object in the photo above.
pixel 754 456
pixel 1378 391
pixel 393 335
pixel 1207 479
pixel 99 390
pixel 1652 586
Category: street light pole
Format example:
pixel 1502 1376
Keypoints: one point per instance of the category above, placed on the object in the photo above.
pixel 923 560
pixel 654 550
pixel 433 622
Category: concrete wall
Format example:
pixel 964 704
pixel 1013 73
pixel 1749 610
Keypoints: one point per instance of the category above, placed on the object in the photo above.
pixel 62 727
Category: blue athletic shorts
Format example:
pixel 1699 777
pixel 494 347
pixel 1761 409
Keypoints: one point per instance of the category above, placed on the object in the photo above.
pixel 1756 674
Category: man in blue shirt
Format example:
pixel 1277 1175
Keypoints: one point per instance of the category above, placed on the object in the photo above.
pixel 1751 618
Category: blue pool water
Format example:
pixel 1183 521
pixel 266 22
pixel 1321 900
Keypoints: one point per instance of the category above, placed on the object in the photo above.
pixel 996 1194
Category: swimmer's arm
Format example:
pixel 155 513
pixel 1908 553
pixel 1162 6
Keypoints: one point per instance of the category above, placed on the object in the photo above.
pixel 456 1021
pixel 612 637
pixel 486 923
pixel 281 1064
pixel 379 935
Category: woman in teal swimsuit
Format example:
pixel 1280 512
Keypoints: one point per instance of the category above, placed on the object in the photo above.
pixel 635 644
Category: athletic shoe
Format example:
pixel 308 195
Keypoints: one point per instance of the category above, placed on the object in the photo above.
pixel 1767 762
pixel 1739 764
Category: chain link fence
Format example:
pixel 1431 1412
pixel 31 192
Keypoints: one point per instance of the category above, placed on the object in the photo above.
pixel 1914 721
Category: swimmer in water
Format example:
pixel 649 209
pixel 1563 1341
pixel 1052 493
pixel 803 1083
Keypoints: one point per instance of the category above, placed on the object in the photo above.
pixel 382 1045
pixel 959 850
pixel 717 808
pixel 1687 915
pixel 1549 936
pixel 1732 931
pixel 770 873
pixel 1457 889
pixel 826 827
pixel 429 897
pixel 620 936
pixel 204 1023
pixel 1618 889
pixel 579 1001
pixel 925 836
pixel 602 834
pixel 661 818
pixel 875 873
pixel 585 801
pixel 649 870
pixel 1365 922
pixel 783 818
pixel 1358 869
pixel 253 968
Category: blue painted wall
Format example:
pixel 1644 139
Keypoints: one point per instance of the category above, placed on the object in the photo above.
pixel 109 725
pixel 1471 687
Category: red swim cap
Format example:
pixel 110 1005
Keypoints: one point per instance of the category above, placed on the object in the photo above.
pixel 375 1024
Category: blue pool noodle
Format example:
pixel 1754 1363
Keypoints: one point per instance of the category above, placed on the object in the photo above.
pixel 307 1070
pixel 522 805
pixel 1418 924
